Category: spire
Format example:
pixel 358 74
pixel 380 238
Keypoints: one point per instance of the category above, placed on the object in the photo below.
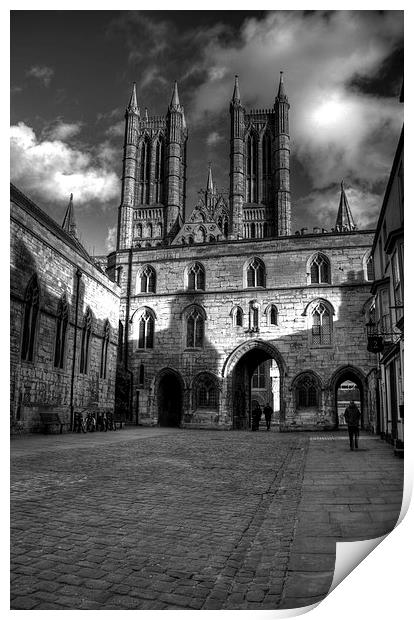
pixel 281 95
pixel 344 221
pixel 69 224
pixel 210 185
pixel 133 105
pixel 175 101
pixel 146 114
pixel 236 91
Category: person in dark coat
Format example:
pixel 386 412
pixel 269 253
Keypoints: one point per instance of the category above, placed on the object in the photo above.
pixel 352 416
pixel 268 412
pixel 256 415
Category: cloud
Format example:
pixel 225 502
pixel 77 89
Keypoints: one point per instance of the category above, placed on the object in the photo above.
pixel 110 241
pixel 116 130
pixel 42 73
pixel 214 138
pixel 51 169
pixel 63 131
pixel 337 130
pixel 320 207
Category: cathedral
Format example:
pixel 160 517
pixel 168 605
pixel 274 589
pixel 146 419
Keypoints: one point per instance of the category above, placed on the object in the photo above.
pixel 195 319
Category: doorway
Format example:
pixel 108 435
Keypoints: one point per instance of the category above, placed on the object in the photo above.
pixel 170 400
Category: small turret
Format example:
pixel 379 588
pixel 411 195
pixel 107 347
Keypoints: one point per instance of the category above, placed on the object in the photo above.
pixel 69 224
pixel 133 104
pixel 344 221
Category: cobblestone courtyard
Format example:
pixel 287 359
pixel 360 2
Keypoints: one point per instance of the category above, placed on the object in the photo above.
pixel 172 519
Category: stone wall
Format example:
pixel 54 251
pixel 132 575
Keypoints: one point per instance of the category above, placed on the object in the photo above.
pixel 39 246
pixel 287 266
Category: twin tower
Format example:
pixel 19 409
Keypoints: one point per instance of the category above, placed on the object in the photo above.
pixel 155 171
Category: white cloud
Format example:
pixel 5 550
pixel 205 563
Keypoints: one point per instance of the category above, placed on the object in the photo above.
pixel 42 73
pixel 214 138
pixel 332 125
pixel 52 169
pixel 63 131
pixel 110 242
pixel 320 207
pixel 116 130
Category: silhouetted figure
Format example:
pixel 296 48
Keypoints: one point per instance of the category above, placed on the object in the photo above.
pixel 256 415
pixel 268 412
pixel 352 416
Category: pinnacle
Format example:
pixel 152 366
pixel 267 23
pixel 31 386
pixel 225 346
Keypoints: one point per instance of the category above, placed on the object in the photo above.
pixel 69 224
pixel 344 221
pixel 236 91
pixel 175 101
pixel 133 105
pixel 281 95
pixel 210 185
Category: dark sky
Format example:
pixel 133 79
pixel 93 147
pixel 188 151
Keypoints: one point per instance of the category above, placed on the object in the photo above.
pixel 71 76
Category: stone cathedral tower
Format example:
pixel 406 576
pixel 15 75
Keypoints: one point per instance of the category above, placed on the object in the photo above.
pixel 259 168
pixel 154 175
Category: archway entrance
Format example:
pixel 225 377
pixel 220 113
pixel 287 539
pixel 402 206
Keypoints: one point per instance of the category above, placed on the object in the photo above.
pixel 170 400
pixel 348 385
pixel 254 372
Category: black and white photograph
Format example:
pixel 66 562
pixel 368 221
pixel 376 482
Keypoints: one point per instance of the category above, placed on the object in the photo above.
pixel 206 304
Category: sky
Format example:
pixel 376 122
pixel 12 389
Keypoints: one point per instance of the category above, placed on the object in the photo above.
pixel 71 74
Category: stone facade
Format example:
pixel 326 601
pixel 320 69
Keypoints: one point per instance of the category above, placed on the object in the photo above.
pixel 229 352
pixel 63 277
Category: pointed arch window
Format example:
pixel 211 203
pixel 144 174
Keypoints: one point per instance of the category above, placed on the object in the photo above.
pixel 196 277
pixel 254 316
pixel 195 329
pixel 251 168
pixel 255 273
pixel 307 391
pixel 86 341
pixel 320 270
pixel 159 170
pixel 61 329
pixel 226 226
pixel 272 315
pixel 321 325
pixel 266 167
pixel 145 170
pixel 146 325
pixel 147 280
pixel 205 391
pixel 237 316
pixel 104 351
pixel 369 268
pixel 31 312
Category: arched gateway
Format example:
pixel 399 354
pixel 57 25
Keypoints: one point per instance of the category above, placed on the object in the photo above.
pixel 238 370
pixel 170 397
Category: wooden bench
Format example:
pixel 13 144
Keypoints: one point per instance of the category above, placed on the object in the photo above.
pixel 50 419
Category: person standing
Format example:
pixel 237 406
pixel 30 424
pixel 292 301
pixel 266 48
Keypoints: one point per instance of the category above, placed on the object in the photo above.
pixel 268 412
pixel 352 416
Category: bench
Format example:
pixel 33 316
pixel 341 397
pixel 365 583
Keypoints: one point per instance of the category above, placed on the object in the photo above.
pixel 50 419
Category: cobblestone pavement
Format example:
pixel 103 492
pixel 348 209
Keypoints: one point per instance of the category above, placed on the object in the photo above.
pixel 171 519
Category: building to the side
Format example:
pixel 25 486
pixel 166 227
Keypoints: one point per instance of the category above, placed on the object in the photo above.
pixel 64 322
pixel 387 309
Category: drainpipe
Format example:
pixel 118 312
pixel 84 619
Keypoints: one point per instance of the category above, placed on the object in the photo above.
pixel 78 274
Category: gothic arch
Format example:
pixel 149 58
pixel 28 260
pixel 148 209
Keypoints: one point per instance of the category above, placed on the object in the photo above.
pixel 236 355
pixel 318 300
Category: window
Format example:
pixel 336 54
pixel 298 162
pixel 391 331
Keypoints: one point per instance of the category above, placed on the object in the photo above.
pixel 271 314
pixel 120 341
pixel 104 352
pixel 206 393
pixel 86 339
pixel 266 167
pixel 237 315
pixel 320 270
pixel 321 325
pixel 146 325
pixel 147 280
pixel 251 168
pixel 31 312
pixel 159 170
pixel 255 273
pixel 145 171
pixel 307 392
pixel 195 329
pixel 398 289
pixel 141 374
pixel 369 268
pixel 196 277
pixel 259 377
pixel 61 329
